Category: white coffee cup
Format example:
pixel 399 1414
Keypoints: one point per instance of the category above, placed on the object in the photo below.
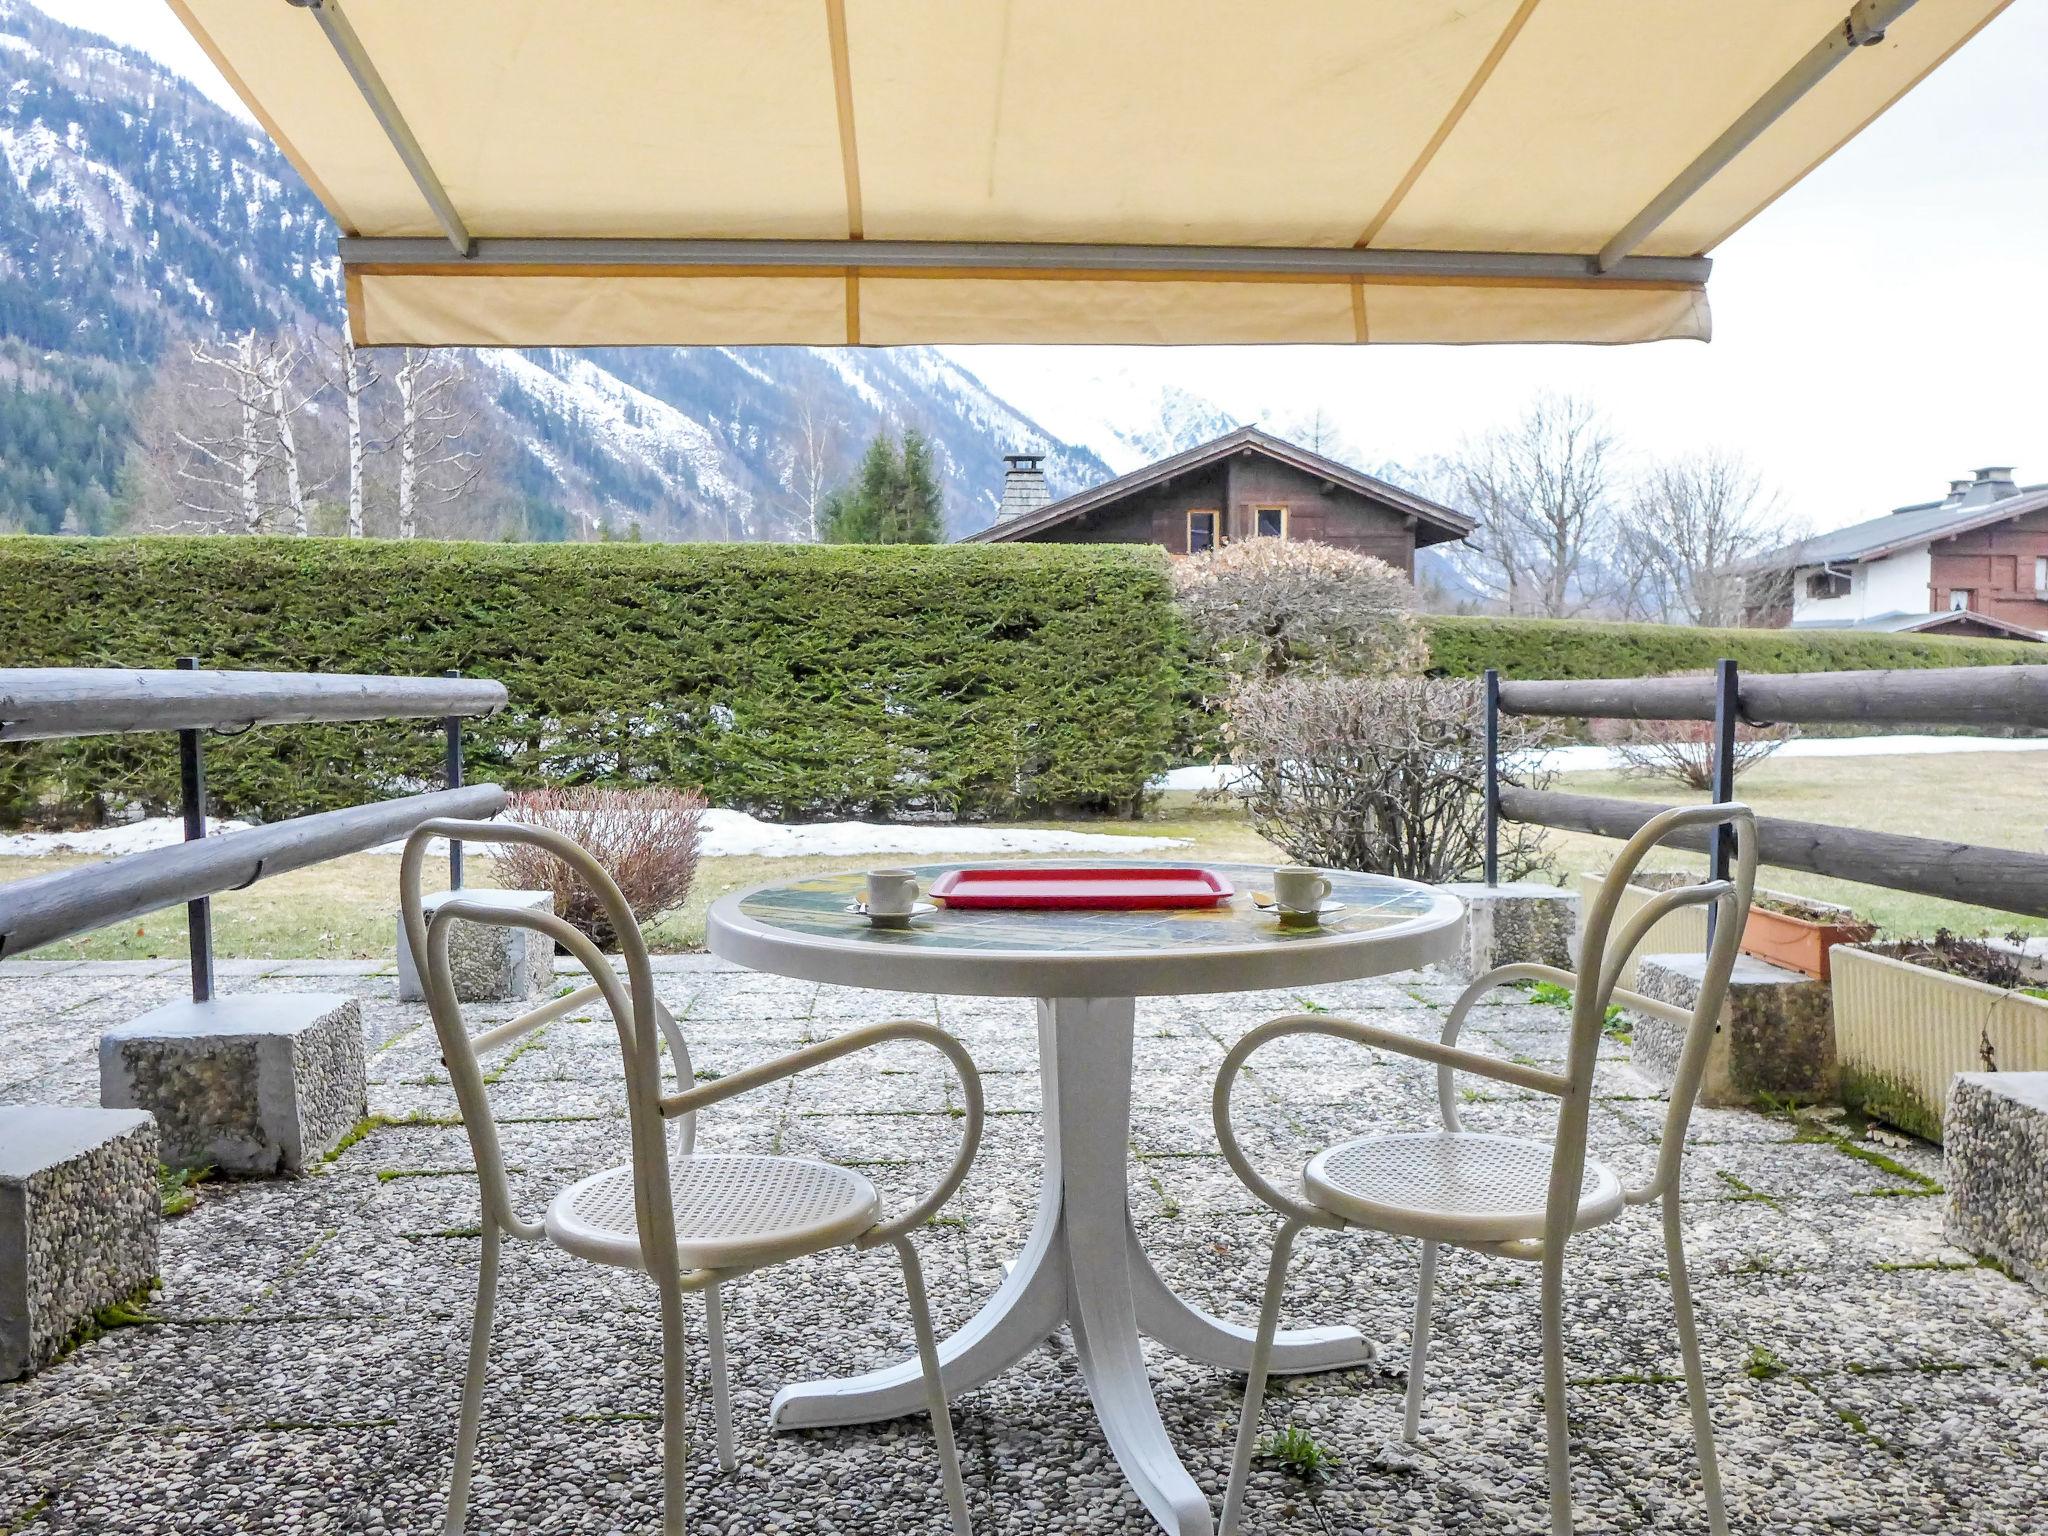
pixel 891 892
pixel 1297 888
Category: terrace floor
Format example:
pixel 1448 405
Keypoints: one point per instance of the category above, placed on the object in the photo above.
pixel 298 1369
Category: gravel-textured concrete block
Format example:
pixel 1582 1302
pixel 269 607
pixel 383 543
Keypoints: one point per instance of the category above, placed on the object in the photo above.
pixel 1518 920
pixel 1997 1169
pixel 491 965
pixel 78 1223
pixel 258 1084
pixel 1777 1032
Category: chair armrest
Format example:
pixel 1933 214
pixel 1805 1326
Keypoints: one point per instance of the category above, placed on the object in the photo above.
pixel 1352 1031
pixel 865 1038
pixel 1499 976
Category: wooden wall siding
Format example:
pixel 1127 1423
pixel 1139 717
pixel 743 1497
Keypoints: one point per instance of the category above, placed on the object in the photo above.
pixel 1997 564
pixel 1235 489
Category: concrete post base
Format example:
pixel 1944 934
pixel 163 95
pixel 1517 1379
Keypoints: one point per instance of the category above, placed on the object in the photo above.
pixel 259 1084
pixel 78 1224
pixel 1777 1031
pixel 1997 1169
pixel 491 965
pixel 1516 920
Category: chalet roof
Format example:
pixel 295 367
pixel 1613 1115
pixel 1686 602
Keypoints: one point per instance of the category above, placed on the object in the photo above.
pixel 1906 528
pixel 1922 623
pixel 1445 523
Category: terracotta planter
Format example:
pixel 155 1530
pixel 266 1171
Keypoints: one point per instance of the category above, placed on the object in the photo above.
pixel 1903 1032
pixel 1798 943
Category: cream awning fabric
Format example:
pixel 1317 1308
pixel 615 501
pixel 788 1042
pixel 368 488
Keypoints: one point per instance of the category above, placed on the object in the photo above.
pixel 878 172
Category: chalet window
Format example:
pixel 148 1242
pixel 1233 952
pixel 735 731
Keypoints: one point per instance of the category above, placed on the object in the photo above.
pixel 1201 532
pixel 1960 599
pixel 1825 584
pixel 1270 522
pixel 2041 573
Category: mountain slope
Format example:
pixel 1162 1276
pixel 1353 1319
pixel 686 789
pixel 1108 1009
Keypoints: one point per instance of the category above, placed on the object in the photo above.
pixel 135 214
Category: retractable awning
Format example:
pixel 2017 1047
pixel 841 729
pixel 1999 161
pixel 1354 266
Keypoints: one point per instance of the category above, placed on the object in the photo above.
pixel 613 172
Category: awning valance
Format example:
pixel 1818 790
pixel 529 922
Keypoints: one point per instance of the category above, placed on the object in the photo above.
pixel 529 172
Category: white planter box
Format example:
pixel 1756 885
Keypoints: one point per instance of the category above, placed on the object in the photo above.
pixel 1903 1032
pixel 1683 932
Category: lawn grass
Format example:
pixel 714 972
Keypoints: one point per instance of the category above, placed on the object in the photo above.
pixel 1998 800
pixel 345 909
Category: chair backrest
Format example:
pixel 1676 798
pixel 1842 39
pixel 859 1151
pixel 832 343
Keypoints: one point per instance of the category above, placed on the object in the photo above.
pixel 1604 950
pixel 636 1011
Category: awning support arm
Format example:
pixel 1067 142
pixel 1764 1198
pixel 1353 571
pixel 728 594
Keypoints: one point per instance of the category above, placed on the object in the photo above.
pixel 1863 26
pixel 837 256
pixel 356 60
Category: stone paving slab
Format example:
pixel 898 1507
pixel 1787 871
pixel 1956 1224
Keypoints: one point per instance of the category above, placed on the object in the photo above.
pixel 299 1368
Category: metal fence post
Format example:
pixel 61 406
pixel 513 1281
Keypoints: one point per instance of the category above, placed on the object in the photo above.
pixel 1727 714
pixel 192 801
pixel 451 730
pixel 1492 854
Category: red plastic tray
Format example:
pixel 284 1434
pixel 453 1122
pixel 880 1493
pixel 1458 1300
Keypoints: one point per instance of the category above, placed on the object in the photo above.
pixel 1045 889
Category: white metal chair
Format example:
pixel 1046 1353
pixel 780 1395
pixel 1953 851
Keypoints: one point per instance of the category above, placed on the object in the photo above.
pixel 1508 1196
pixel 691 1221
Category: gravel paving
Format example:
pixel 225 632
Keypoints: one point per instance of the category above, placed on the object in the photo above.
pixel 298 1368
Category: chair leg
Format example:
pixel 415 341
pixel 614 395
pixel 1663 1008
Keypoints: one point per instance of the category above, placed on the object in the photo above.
pixel 1695 1378
pixel 473 1381
pixel 1557 1423
pixel 1418 1346
pixel 674 1404
pixel 1255 1382
pixel 721 1385
pixel 934 1385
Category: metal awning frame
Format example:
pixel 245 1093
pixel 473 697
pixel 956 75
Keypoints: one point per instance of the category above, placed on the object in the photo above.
pixel 1615 265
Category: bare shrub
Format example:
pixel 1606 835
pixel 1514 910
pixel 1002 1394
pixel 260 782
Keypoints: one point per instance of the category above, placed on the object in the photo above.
pixel 645 839
pixel 1682 751
pixel 1267 607
pixel 1385 775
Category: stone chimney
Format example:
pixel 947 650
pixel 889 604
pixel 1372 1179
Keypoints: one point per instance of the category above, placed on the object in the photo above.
pixel 1024 488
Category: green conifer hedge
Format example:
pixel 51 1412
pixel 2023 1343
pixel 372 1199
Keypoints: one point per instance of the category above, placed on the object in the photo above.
pixel 794 681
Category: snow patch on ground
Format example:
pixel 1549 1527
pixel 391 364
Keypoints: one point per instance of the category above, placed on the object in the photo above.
pixel 1592 759
pixel 722 834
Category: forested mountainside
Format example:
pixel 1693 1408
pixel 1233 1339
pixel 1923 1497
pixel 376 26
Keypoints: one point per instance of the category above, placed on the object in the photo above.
pixel 138 218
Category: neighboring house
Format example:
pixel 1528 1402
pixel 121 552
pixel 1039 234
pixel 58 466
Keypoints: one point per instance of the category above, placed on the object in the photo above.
pixel 1973 563
pixel 1245 484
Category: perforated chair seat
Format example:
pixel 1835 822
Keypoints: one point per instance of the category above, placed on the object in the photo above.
pixel 733 1211
pixel 1453 1186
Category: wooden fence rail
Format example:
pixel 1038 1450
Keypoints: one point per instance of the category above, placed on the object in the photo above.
pixel 1977 696
pixel 1987 877
pixel 1999 878
pixel 45 908
pixel 38 703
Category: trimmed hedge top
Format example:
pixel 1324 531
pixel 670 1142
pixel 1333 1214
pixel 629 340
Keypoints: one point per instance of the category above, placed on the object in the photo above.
pixel 1465 646
pixel 792 680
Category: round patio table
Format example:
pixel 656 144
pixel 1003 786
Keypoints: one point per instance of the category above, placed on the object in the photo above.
pixel 1083 1264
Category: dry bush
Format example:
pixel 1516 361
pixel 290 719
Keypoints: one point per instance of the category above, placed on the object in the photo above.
pixel 1385 775
pixel 645 839
pixel 1682 751
pixel 1267 607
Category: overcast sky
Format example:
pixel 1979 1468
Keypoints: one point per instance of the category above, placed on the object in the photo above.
pixel 1881 329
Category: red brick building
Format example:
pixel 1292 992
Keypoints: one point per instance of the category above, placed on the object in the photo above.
pixel 1246 484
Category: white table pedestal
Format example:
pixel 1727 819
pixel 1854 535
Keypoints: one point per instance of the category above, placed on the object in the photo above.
pixel 1084 1267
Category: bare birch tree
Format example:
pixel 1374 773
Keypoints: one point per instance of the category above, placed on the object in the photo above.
pixel 357 378
pixel 1542 490
pixel 1693 527
pixel 224 428
pixel 436 462
pixel 815 454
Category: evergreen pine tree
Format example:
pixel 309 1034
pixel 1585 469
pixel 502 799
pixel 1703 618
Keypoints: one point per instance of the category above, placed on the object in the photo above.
pixel 893 498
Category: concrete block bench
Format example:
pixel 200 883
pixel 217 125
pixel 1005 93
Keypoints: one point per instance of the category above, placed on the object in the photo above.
pixel 1996 1156
pixel 78 1223
pixel 1777 1033
pixel 1517 920
pixel 491 965
pixel 258 1084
